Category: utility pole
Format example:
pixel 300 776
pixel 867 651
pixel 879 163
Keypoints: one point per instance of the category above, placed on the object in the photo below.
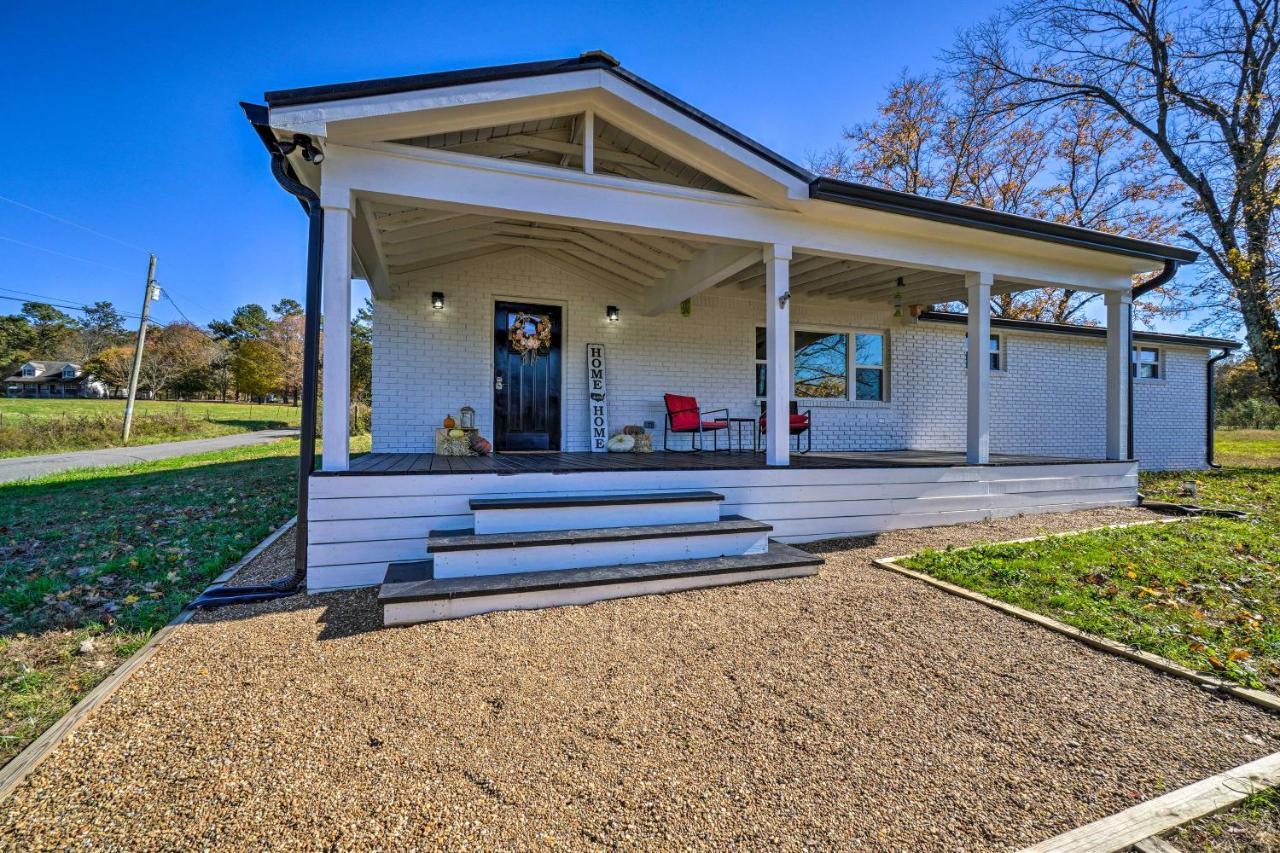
pixel 152 292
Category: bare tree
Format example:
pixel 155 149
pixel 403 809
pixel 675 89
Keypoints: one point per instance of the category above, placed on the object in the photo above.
pixel 959 140
pixel 1194 81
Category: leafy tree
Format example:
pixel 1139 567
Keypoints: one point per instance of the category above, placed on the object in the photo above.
pixel 1197 83
pixel 288 308
pixel 256 366
pixel 112 365
pixel 52 329
pixel 286 336
pixel 248 322
pixel 99 327
pixel 17 340
pixel 362 353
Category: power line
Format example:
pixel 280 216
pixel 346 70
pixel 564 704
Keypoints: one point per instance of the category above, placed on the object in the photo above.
pixel 63 254
pixel 66 306
pixel 64 221
pixel 165 293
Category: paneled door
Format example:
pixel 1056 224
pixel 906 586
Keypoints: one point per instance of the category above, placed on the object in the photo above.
pixel 526 377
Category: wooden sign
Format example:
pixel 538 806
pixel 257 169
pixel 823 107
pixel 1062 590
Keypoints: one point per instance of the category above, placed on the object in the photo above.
pixel 597 400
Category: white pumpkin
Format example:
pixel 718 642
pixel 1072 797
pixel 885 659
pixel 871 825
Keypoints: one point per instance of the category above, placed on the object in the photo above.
pixel 621 443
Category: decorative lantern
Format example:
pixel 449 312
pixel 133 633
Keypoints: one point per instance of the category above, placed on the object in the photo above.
pixel 468 416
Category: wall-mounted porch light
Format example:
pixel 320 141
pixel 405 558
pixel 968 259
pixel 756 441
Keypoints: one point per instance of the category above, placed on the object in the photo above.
pixel 437 300
pixel 612 313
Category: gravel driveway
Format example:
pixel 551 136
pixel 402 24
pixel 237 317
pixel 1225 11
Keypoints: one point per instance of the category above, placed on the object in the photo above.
pixel 857 709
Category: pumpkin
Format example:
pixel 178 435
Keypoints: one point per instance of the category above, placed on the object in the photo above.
pixel 621 443
pixel 449 422
pixel 457 433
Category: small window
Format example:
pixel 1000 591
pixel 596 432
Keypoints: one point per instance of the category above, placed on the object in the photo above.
pixel 68 372
pixel 1146 363
pixel 28 370
pixel 996 348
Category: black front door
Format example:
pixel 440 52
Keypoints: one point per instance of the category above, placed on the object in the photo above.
pixel 526 376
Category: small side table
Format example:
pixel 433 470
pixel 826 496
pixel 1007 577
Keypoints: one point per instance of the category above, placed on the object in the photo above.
pixel 738 424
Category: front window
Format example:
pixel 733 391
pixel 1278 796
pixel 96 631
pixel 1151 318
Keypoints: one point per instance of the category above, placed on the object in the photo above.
pixel 821 365
pixel 1146 363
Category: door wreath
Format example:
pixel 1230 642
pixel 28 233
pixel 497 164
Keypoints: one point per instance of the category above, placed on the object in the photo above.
pixel 529 335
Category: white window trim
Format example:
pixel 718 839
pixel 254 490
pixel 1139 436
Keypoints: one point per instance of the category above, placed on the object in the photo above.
pixel 850 399
pixel 1136 375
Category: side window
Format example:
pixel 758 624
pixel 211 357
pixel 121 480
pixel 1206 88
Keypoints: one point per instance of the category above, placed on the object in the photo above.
pixel 1147 363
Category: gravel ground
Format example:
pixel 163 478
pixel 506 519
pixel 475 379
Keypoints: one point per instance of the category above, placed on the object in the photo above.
pixel 857 709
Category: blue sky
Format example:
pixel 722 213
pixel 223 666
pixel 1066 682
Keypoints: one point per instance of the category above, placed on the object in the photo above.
pixel 124 117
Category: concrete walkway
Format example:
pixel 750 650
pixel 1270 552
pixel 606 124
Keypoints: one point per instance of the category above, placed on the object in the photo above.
pixel 25 467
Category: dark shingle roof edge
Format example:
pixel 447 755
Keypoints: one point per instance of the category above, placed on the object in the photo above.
pixel 1083 331
pixel 825 189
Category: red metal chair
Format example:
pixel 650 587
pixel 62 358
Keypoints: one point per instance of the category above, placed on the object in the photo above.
pixel 684 417
pixel 800 423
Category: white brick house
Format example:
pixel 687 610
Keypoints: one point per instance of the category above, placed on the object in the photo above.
pixel 560 204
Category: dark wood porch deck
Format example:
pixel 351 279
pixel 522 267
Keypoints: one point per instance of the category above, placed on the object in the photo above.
pixel 375 464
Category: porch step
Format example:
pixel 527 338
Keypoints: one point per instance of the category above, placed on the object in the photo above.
pixel 410 594
pixel 577 512
pixel 461 553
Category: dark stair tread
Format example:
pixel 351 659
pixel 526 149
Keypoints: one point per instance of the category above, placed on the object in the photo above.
pixel 407 571
pixel 778 556
pixel 439 541
pixel 555 501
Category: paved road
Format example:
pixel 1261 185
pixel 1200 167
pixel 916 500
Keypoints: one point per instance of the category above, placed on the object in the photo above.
pixel 24 467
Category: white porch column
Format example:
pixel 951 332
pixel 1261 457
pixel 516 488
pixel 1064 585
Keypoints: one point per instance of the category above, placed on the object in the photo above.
pixel 777 306
pixel 978 436
pixel 336 376
pixel 1119 346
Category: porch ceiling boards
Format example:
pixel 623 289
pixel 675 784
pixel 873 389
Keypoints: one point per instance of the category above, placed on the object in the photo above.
pixel 377 464
pixel 413 241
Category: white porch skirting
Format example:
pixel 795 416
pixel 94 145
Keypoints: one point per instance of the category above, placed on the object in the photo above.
pixel 358 524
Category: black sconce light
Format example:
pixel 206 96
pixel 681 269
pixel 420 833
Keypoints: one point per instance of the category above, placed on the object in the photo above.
pixel 437 300
pixel 612 313
pixel 310 151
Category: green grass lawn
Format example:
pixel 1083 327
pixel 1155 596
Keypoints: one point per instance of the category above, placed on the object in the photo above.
pixel 30 427
pixel 1204 592
pixel 1256 448
pixel 93 561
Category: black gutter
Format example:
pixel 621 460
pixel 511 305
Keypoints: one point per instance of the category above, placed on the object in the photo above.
pixel 1082 331
pixel 1210 395
pixel 923 207
pixel 288 178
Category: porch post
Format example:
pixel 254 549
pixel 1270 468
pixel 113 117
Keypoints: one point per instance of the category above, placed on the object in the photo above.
pixel 336 375
pixel 1119 346
pixel 777 299
pixel 978 437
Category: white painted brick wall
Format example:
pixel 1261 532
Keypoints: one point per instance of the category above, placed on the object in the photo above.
pixel 1050 400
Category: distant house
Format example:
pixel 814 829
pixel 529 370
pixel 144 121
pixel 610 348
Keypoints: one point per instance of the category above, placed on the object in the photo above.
pixel 53 379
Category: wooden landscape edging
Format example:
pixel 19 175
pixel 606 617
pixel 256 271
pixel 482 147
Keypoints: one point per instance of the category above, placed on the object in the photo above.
pixel 12 774
pixel 1140 823
pixel 1261 698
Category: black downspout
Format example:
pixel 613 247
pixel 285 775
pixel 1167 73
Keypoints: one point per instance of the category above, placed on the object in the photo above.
pixel 1209 403
pixel 1164 277
pixel 223 596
